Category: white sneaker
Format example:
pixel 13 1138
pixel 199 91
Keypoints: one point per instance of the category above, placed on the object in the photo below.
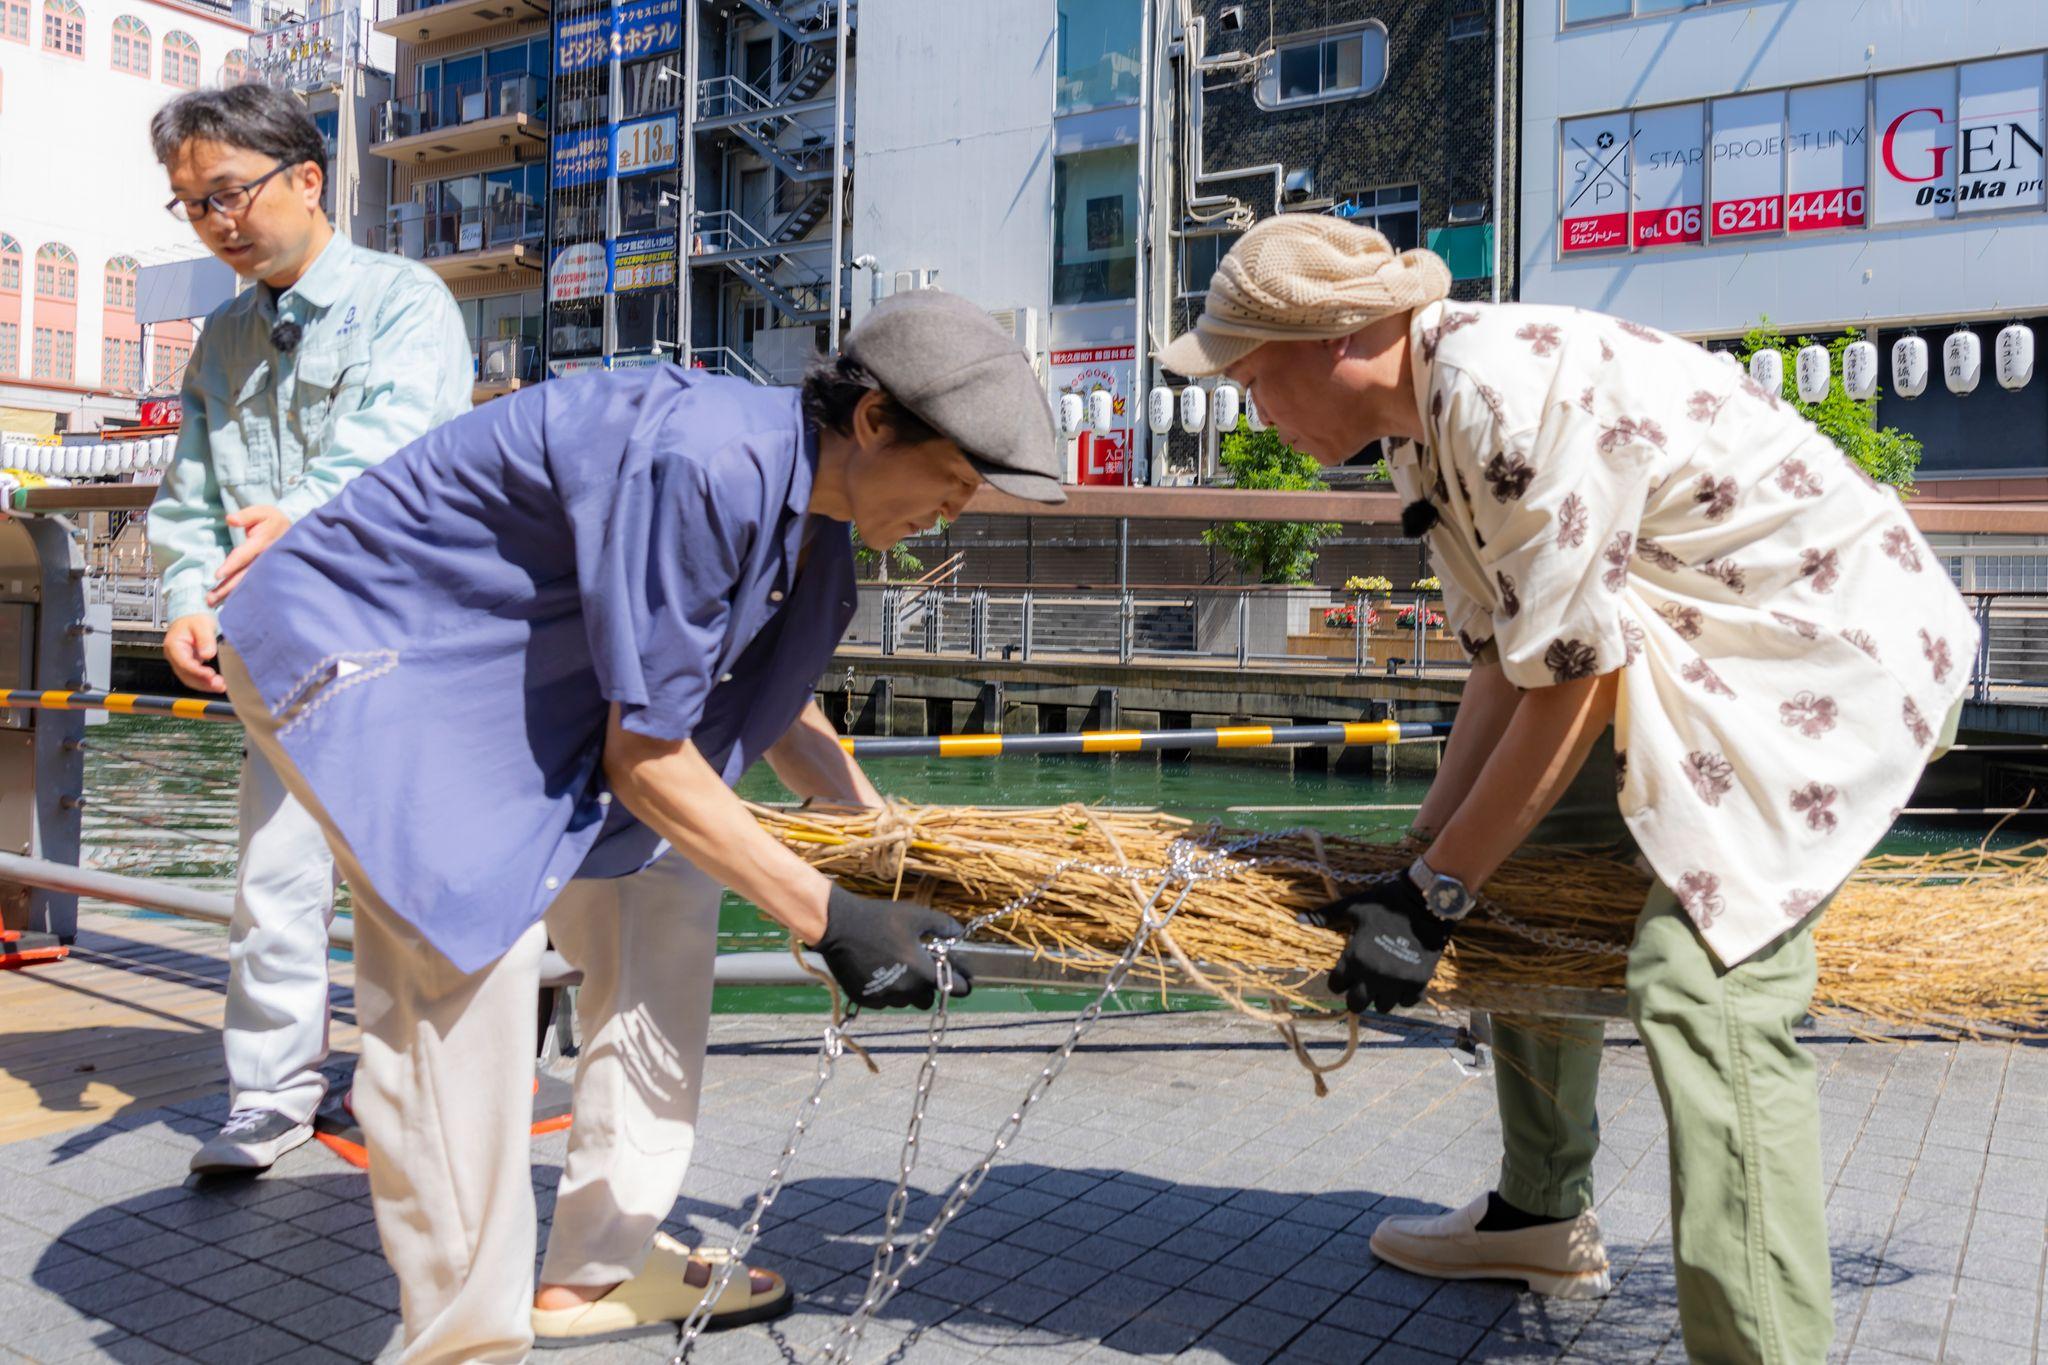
pixel 250 1142
pixel 1563 1260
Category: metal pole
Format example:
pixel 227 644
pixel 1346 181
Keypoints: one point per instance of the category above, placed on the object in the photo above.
pixel 1126 617
pixel 1024 648
pixel 1141 358
pixel 1244 627
pixel 838 173
pixel 1358 630
pixel 686 231
pixel 1500 218
pixel 1983 679
pixel 142 892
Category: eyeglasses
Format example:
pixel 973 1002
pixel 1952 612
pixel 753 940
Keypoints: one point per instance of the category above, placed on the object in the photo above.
pixel 230 201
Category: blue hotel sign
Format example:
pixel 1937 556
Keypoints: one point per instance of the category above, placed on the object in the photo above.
pixel 628 32
pixel 582 157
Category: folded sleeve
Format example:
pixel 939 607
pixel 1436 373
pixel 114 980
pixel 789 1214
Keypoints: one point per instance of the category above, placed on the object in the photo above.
pixel 659 604
pixel 1553 513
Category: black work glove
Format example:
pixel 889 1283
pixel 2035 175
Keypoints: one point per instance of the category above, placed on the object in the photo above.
pixel 875 950
pixel 1394 946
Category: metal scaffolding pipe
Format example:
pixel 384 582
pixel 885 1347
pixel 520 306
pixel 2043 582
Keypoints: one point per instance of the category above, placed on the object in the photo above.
pixel 141 892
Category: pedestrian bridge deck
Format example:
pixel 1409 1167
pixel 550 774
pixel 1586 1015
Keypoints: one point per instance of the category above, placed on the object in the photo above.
pixel 1179 1193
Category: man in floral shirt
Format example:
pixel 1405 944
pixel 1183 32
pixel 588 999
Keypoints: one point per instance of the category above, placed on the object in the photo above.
pixel 1628 530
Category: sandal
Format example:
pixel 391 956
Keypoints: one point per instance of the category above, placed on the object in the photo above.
pixel 663 1295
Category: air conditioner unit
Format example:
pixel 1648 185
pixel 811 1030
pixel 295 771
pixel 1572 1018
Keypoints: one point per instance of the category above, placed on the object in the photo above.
pixel 1022 324
pixel 906 280
pixel 501 360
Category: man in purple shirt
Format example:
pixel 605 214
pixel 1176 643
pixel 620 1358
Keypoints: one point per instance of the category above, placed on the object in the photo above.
pixel 538 645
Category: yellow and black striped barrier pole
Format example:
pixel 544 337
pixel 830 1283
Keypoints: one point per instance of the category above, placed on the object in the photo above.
pixel 874 746
pixel 1143 741
pixel 120 703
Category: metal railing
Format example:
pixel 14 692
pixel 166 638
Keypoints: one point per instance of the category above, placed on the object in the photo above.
pixel 1240 625
pixel 429 111
pixel 508 220
pixel 2011 663
pixel 729 360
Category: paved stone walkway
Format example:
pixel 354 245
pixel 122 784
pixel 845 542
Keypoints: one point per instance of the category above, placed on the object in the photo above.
pixel 1180 1193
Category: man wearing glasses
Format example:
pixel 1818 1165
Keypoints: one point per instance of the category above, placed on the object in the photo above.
pixel 332 361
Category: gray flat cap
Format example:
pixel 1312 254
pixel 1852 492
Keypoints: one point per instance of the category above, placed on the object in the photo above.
pixel 947 361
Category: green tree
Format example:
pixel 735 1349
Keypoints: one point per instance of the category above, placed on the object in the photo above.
pixel 1270 551
pixel 868 560
pixel 1886 454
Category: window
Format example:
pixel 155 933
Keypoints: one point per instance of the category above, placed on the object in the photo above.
pixel 131 45
pixel 515 205
pixel 1098 53
pixel 121 365
pixel 651 87
pixel 1396 210
pixel 64 28
pixel 181 60
pixel 1471 23
pixel 643 319
pixel 14 20
pixel 52 356
pixel 56 272
pixel 167 363
pixel 10 348
pixel 1330 66
pixel 648 203
pixel 1468 210
pixel 121 283
pixel 1595 11
pixel 10 264
pixel 235 70
pixel 1199 257
pixel 1094 256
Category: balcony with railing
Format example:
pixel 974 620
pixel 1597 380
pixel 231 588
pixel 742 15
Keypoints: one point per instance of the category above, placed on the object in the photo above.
pixel 459 119
pixel 425 21
pixel 504 235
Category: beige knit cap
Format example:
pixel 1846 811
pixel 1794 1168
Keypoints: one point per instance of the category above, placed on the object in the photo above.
pixel 1303 277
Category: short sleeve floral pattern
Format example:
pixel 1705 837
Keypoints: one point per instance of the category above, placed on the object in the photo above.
pixel 1614 499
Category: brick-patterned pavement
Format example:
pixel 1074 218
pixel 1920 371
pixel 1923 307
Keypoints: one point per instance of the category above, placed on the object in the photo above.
pixel 1180 1193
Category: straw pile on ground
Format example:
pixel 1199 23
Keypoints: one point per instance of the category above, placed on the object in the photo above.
pixel 1954 942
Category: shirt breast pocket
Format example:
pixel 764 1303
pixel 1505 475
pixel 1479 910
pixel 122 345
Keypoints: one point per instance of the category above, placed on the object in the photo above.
pixel 249 413
pixel 329 387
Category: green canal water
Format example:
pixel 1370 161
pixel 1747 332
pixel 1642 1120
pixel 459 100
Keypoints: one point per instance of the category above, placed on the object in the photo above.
pixel 162 804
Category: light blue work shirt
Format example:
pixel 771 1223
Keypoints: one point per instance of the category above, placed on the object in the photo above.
pixel 442 642
pixel 382 357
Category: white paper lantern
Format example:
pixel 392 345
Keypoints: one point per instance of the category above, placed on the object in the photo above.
pixel 1909 367
pixel 96 461
pixel 1859 370
pixel 1194 407
pixel 2015 358
pixel 73 463
pixel 1767 368
pixel 1073 412
pixel 1101 408
pixel 1811 373
pixel 1159 410
pixel 1962 361
pixel 131 456
pixel 1728 358
pixel 1223 405
pixel 1251 412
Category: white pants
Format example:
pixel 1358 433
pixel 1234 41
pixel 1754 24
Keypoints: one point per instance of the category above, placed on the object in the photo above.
pixel 275 1031
pixel 444 1089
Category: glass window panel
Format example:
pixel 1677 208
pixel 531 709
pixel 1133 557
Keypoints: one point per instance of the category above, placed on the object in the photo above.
pixel 1585 11
pixel 461 86
pixel 1094 210
pixel 505 61
pixel 644 317
pixel 1343 64
pixel 1098 53
pixel 1300 76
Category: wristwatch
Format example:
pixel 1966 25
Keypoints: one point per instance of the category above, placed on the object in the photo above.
pixel 1447 897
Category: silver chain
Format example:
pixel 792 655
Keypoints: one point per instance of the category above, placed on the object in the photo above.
pixel 1188 863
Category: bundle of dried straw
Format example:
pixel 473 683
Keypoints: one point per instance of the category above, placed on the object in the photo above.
pixel 1954 942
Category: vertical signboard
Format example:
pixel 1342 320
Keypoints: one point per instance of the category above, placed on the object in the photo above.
pixel 1748 141
pixel 579 158
pixel 583 41
pixel 577 272
pixel 1827 148
pixel 1101 459
pixel 1915 130
pixel 644 262
pixel 1669 160
pixel 1594 216
pixel 646 27
pixel 1999 134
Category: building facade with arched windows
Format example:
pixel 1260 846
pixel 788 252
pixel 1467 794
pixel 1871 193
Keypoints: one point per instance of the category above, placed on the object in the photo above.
pixel 72 351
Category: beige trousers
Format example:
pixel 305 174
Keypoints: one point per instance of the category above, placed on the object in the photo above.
pixel 444 1088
